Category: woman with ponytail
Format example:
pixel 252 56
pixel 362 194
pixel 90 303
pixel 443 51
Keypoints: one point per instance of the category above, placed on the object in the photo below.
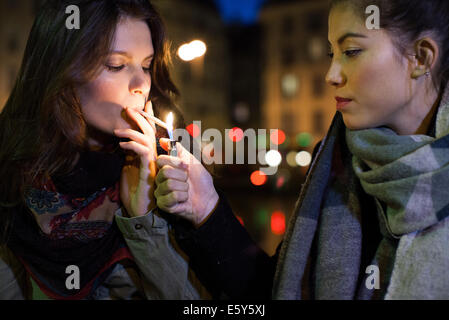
pixel 372 218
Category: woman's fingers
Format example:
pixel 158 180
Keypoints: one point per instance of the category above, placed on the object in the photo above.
pixel 146 127
pixel 169 201
pixel 133 135
pixel 175 162
pixel 171 185
pixel 167 172
pixel 139 149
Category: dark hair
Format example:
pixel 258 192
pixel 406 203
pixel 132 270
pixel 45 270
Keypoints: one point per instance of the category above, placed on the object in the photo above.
pixel 407 20
pixel 41 125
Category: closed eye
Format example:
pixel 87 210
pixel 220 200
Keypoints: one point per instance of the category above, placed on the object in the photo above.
pixel 119 68
pixel 352 53
pixel 114 68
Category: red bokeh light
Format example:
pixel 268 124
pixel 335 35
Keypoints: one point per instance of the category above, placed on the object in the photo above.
pixel 277 137
pixel 258 178
pixel 236 134
pixel 193 130
pixel 280 182
pixel 278 223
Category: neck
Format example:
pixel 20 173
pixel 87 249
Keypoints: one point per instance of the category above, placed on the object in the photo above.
pixel 427 122
pixel 419 115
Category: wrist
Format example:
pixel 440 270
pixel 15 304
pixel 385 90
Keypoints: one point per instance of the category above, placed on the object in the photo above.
pixel 209 209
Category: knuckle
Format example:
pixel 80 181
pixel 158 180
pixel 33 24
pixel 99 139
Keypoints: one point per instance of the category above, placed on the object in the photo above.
pixel 169 184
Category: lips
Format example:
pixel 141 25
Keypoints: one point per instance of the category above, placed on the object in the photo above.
pixel 339 99
pixel 342 102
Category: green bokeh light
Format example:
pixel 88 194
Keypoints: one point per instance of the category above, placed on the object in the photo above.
pixel 261 217
pixel 304 139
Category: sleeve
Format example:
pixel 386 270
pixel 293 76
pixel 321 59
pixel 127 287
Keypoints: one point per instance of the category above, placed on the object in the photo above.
pixel 165 268
pixel 13 277
pixel 225 258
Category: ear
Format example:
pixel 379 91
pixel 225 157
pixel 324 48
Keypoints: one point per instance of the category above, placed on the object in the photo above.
pixel 426 57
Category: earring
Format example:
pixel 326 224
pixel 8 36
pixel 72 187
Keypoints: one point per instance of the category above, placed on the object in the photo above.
pixel 427 73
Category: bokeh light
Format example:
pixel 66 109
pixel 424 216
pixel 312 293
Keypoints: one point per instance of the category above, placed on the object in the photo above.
pixel 192 50
pixel 291 159
pixel 277 137
pixel 193 130
pixel 273 158
pixel 261 217
pixel 304 139
pixel 235 134
pixel 278 223
pixel 258 178
pixel 303 158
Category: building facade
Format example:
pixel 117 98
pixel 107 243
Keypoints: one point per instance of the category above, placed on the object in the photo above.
pixel 294 95
pixel 203 82
pixel 16 19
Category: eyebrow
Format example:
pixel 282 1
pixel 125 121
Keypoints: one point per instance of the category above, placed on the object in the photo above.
pixel 349 35
pixel 124 53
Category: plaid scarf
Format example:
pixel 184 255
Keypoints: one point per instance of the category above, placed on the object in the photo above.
pixel 357 175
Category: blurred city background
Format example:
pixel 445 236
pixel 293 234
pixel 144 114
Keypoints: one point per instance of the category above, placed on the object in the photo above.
pixel 263 68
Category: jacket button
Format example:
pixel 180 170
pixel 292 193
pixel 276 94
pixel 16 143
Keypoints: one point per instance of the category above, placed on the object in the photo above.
pixel 138 226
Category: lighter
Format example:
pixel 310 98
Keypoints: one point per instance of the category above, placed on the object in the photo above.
pixel 172 150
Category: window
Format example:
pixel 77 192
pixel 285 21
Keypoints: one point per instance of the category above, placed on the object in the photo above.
pixel 288 56
pixel 316 22
pixel 316 48
pixel 287 26
pixel 318 85
pixel 288 122
pixel 289 85
pixel 318 121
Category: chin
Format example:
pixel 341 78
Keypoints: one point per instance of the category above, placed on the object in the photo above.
pixel 356 125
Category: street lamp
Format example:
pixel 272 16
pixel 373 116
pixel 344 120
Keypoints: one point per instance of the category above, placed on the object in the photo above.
pixel 192 50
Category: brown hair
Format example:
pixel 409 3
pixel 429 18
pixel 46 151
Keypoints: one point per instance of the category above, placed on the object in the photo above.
pixel 407 20
pixel 41 125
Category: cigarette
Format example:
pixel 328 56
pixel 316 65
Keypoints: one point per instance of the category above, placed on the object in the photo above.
pixel 156 120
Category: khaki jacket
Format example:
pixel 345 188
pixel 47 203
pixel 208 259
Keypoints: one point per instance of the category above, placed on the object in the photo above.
pixel 163 269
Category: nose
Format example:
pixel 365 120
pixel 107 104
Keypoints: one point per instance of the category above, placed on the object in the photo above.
pixel 334 76
pixel 140 83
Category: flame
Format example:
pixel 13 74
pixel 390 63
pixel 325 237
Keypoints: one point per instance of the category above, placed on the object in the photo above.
pixel 169 121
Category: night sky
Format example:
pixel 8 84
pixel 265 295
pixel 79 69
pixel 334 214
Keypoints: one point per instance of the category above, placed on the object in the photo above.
pixel 243 11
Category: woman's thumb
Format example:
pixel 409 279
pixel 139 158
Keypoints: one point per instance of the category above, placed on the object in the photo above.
pixel 165 144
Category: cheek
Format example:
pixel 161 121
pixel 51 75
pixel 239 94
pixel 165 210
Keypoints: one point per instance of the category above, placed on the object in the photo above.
pixel 368 78
pixel 101 104
pixel 380 82
pixel 105 89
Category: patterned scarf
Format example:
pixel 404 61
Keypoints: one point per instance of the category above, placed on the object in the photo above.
pixel 356 176
pixel 70 221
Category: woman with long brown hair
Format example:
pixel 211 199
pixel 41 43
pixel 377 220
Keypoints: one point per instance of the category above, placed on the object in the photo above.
pixel 77 159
